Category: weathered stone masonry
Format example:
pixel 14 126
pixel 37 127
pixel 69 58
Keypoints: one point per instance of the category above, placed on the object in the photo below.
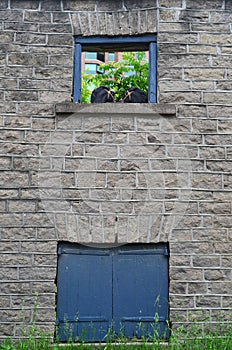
pixel 124 173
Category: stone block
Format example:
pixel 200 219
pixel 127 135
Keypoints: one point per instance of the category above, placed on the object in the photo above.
pixel 216 97
pixel 72 5
pixel 217 235
pixel 226 261
pixel 9 194
pixel 14 179
pixel 45 314
pixel 136 4
pixel 182 301
pixel 25 59
pixel 191 111
pixel 181 235
pixel 36 219
pixel 217 275
pixel 39 247
pixel 20 95
pixel 63 17
pixel 221 315
pixel 223 220
pixel 225 127
pixel 213 181
pixel 15 260
pixel 206 261
pixel 199 315
pixel 182 151
pixel 37 273
pixel 47 5
pixel 101 21
pixel 6 330
pixel 198 288
pixel 223 166
pixel 178 85
pixel 214 139
pixel 224 85
pixel 5 163
pixel 9 15
pixel 184 61
pixel 93 23
pixel 14 315
pixel 176 287
pixel 52 96
pixel 191 247
pixel 56 28
pixel 30 38
pixel 202 49
pixel 206 73
pixel 21 206
pixel 215 208
pixel 226 301
pixel 8 273
pixel 217 153
pixel 180 260
pixel 222 61
pixel 215 39
pixel 4 4
pixel 120 22
pixel 43 287
pixel 24 4
pixel 53 73
pixel 47 234
pixel 180 38
pixel 184 274
pixel 180 97
pixel 45 259
pixel 7 107
pixel 60 39
pixel 208 4
pixel 167 15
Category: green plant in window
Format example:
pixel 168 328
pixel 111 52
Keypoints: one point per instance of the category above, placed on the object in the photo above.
pixel 132 71
pixel 86 87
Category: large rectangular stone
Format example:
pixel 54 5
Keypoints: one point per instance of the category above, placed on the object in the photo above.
pixel 207 73
pixel 14 179
pixel 217 97
pixel 184 274
pixel 215 38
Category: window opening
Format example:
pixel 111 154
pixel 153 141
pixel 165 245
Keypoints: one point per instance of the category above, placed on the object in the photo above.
pixel 117 72
pixel 90 52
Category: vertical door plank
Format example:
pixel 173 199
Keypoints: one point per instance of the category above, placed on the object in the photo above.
pixel 140 292
pixel 84 303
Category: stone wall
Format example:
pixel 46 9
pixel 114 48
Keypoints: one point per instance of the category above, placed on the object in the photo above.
pixel 194 67
pixel 61 165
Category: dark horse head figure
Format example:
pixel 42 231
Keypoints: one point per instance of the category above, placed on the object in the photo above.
pixel 102 95
pixel 134 95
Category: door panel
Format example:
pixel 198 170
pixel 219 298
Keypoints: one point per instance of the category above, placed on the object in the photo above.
pixel 125 288
pixel 84 300
pixel 140 295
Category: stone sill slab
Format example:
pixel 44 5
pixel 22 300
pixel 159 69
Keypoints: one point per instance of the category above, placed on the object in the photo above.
pixel 116 108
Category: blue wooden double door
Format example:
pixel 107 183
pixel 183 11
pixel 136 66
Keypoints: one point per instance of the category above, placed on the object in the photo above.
pixel 102 293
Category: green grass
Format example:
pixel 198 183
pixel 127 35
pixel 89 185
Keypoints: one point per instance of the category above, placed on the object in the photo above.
pixel 196 335
pixel 218 338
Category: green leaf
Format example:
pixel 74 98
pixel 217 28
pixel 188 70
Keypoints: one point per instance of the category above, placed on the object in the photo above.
pixel 118 76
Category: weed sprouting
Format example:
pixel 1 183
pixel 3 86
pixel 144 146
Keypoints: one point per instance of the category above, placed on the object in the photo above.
pixel 196 335
pixel 180 339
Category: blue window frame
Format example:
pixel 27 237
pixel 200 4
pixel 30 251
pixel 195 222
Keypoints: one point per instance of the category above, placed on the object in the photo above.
pixel 121 290
pixel 114 44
